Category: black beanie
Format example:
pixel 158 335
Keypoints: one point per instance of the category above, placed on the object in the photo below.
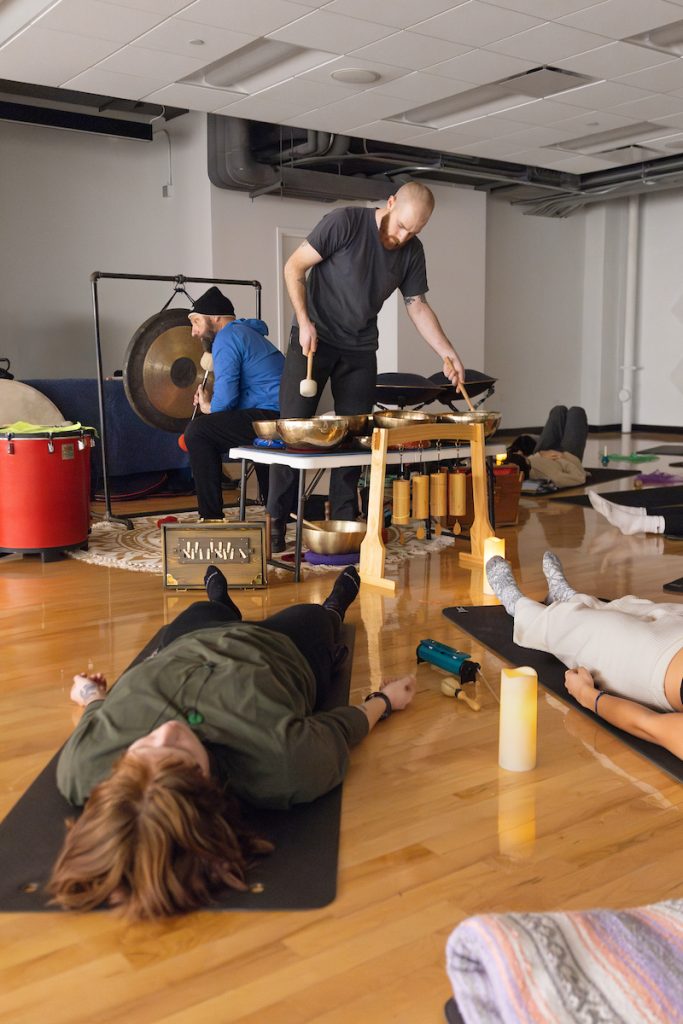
pixel 213 303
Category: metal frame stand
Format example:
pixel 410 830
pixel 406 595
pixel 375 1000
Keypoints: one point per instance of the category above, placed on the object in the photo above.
pixel 179 280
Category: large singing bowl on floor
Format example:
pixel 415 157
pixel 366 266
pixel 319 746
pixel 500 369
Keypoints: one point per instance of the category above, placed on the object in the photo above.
pixel 334 536
pixel 314 433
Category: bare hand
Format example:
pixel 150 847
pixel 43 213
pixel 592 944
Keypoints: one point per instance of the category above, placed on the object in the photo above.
pixel 400 691
pixel 88 686
pixel 453 369
pixel 581 685
pixel 201 399
pixel 308 337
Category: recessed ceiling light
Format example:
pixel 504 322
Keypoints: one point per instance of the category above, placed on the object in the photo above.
pixel 355 76
pixel 196 42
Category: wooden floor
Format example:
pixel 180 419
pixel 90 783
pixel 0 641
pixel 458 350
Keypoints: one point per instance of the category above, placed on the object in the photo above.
pixel 432 829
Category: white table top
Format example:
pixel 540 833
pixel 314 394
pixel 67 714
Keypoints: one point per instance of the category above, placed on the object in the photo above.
pixel 336 458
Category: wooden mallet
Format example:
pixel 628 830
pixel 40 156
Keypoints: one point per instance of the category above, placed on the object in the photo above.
pixel 206 363
pixel 308 387
pixel 461 386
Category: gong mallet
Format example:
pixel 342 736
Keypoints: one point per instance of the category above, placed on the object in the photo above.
pixel 308 387
pixel 206 363
pixel 461 386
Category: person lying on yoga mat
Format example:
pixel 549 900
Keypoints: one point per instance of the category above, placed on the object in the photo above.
pixel 638 520
pixel 556 455
pixel 220 702
pixel 624 658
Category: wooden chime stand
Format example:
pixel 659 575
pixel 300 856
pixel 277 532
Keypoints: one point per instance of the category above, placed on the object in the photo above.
pixel 372 549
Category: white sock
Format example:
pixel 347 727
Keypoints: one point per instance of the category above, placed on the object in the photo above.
pixel 628 520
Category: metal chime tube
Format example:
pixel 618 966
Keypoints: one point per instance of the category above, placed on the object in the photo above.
pixel 420 496
pixel 401 502
pixel 437 494
pixel 457 499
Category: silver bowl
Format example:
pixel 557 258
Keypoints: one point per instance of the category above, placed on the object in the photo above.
pixel 334 536
pixel 266 429
pixel 401 418
pixel 314 433
pixel 491 420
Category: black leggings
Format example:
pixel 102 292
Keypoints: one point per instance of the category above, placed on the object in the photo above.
pixel 314 630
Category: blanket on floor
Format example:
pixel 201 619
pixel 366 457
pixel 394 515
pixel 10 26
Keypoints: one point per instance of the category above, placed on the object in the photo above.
pixel 582 967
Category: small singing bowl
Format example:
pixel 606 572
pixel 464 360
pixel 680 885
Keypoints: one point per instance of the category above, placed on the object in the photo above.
pixel 313 433
pixel 401 418
pixel 491 420
pixel 334 536
pixel 359 423
pixel 266 429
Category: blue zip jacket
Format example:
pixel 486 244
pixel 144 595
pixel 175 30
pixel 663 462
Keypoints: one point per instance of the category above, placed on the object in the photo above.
pixel 247 367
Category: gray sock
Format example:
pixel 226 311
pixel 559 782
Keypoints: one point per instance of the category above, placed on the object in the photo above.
pixel 503 583
pixel 558 588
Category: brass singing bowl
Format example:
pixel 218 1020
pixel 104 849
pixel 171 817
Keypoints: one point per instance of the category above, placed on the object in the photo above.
pixel 491 420
pixel 334 536
pixel 266 429
pixel 313 433
pixel 358 423
pixel 401 418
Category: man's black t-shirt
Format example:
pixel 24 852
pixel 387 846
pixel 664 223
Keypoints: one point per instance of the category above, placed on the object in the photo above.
pixel 346 291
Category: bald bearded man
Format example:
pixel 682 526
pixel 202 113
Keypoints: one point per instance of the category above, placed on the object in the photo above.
pixel 355 258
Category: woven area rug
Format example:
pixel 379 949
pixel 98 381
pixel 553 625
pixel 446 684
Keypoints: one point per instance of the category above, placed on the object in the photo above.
pixel 139 549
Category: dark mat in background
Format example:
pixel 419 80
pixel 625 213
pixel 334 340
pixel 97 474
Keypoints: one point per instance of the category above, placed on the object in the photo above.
pixel 451 1011
pixel 604 474
pixel 648 497
pixel 301 874
pixel 491 625
pixel 662 449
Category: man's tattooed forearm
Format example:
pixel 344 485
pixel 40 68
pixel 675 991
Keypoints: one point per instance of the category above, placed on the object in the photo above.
pixel 413 298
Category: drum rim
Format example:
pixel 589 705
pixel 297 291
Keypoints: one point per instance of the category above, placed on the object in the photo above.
pixel 54 435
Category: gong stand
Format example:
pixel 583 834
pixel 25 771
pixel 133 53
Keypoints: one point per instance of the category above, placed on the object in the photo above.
pixel 179 282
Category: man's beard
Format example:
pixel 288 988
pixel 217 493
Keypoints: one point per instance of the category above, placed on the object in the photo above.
pixel 387 240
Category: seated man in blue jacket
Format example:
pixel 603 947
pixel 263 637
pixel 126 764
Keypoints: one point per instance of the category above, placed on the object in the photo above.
pixel 247 370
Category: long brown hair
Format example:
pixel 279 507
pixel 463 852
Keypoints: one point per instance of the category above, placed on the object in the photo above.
pixel 154 839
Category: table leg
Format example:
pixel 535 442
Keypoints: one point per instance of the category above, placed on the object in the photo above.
pixel 243 491
pixel 299 523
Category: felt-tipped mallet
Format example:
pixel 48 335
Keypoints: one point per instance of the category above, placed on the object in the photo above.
pixel 308 387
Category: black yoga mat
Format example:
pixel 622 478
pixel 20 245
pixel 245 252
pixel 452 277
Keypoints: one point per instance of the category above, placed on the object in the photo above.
pixel 649 497
pixel 662 449
pixel 301 874
pixel 491 625
pixel 451 1011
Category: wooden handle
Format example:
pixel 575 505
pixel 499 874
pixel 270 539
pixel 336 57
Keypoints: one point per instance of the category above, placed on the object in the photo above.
pixel 461 695
pixel 463 392
pixel 309 365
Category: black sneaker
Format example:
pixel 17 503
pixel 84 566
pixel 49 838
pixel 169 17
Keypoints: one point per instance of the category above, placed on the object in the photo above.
pixel 278 542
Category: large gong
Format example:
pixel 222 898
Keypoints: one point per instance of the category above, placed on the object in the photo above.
pixel 162 369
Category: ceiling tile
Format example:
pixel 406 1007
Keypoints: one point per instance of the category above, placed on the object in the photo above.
pixel 672 121
pixel 448 137
pixel 601 95
pixel 410 50
pixel 546 44
pixel 385 131
pixel 650 107
pixel 663 78
pixel 200 42
pixel 256 17
pixel 493 149
pixel 140 60
pixel 475 24
pixel 614 60
pixel 111 83
pixel 536 157
pixel 194 97
pixel 420 88
pixel 481 66
pixel 547 9
pixel 47 57
pixel 331 32
pixel 101 20
pixel 398 13
pixel 590 123
pixel 165 8
pixel 365 106
pixel 306 97
pixel 263 107
pixel 582 164
pixel 534 137
pixel 621 18
pixel 540 112
pixel 323 72
pixel 480 128
pixel 674 142
pixel 321 121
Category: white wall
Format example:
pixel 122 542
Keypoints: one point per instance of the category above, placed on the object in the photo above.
pixel 73 203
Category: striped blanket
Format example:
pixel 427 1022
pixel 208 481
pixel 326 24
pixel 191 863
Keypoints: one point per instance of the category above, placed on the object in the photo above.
pixel 584 967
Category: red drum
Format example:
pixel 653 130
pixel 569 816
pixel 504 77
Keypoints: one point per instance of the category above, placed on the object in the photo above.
pixel 45 490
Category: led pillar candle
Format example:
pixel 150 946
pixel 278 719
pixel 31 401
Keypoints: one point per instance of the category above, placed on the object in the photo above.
pixel 517 729
pixel 492 546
